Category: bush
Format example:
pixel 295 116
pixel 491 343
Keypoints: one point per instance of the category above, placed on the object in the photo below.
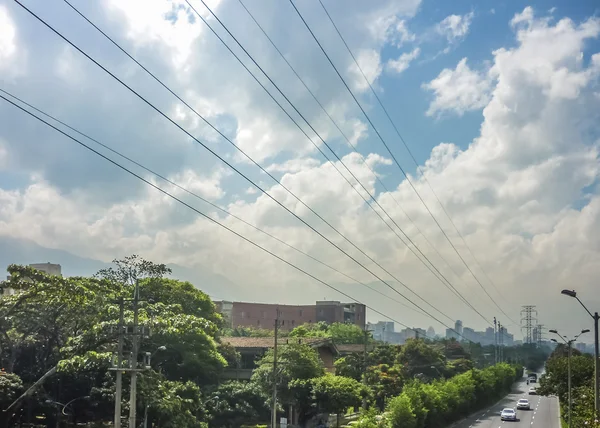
pixel 401 412
pixel 441 402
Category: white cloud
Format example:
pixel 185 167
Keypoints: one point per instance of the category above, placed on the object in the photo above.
pixel 403 62
pixel 369 61
pixel 514 192
pixel 455 27
pixel 459 90
pixel 523 17
pixel 8 45
pixel 3 156
pixel 399 34
pixel 294 165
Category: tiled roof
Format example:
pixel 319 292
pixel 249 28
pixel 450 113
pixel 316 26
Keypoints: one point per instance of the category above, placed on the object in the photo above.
pixel 267 342
pixel 353 347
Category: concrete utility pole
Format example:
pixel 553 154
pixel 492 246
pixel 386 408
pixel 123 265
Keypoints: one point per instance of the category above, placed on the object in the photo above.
pixel 274 404
pixel 495 343
pixel 119 384
pixel 596 365
pixel 364 376
pixel 134 359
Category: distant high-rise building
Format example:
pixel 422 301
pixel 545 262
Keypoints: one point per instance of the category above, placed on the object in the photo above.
pixel 458 326
pixel 431 332
pixel 48 268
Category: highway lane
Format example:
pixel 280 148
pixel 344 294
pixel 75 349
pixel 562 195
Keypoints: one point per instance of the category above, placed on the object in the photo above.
pixel 543 413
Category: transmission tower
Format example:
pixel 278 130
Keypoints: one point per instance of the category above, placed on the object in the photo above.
pixel 540 334
pixel 528 319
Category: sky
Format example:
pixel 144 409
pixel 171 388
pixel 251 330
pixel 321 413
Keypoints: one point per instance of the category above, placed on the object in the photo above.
pixel 451 174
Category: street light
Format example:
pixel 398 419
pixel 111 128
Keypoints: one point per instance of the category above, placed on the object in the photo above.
pixel 569 344
pixel 595 317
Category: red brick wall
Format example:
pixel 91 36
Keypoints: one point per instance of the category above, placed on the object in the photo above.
pixel 262 315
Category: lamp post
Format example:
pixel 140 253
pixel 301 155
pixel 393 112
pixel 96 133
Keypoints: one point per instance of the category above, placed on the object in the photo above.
pixel 595 317
pixel 148 361
pixel 570 345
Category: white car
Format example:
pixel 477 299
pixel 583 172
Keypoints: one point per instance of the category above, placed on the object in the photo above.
pixel 532 391
pixel 523 404
pixel 508 415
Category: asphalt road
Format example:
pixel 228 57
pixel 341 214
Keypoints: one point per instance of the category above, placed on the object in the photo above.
pixel 543 413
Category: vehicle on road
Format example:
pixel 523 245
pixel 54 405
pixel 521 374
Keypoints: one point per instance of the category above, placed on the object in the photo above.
pixel 508 414
pixel 532 391
pixel 523 404
pixel 532 377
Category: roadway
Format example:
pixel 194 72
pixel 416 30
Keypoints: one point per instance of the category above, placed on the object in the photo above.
pixel 543 413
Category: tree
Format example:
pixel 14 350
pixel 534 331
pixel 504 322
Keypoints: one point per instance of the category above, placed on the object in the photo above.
pixel 401 413
pixel 346 333
pixel 68 323
pixel 350 366
pixel 555 380
pixel 172 404
pixel 335 394
pixel 132 268
pixel 418 357
pixel 385 382
pixel 340 333
pixel 11 386
pixel 295 361
pixel 233 404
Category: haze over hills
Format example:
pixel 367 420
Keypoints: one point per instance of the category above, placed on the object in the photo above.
pixel 24 252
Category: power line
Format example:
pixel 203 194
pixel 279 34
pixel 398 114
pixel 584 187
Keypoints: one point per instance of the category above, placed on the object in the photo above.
pixel 223 210
pixel 408 149
pixel 234 168
pixel 392 155
pixel 373 172
pixel 199 212
pixel 252 160
pixel 318 148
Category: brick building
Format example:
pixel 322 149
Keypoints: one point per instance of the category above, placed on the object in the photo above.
pixel 263 315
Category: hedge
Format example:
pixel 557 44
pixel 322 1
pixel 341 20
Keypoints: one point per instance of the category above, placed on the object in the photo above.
pixel 436 404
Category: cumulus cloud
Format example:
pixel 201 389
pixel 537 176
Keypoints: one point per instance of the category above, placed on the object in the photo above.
pixel 522 193
pixel 459 90
pixel 455 27
pixel 403 61
pixel 369 61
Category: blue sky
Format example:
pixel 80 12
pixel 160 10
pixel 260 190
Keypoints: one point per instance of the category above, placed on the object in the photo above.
pixel 498 102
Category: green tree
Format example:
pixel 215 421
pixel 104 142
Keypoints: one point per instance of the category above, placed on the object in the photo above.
pixel 401 413
pixel 335 394
pixel 11 386
pixel 385 382
pixel 418 357
pixel 351 365
pixel 346 333
pixel 233 404
pixel 555 379
pixel 295 361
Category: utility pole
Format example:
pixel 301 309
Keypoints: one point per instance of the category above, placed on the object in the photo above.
pixel 119 384
pixel 570 343
pixel 495 343
pixel 596 365
pixel 364 376
pixel 274 404
pixel 134 358
pixel 501 343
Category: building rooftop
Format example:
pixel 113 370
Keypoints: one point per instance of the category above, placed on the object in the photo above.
pixel 267 342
